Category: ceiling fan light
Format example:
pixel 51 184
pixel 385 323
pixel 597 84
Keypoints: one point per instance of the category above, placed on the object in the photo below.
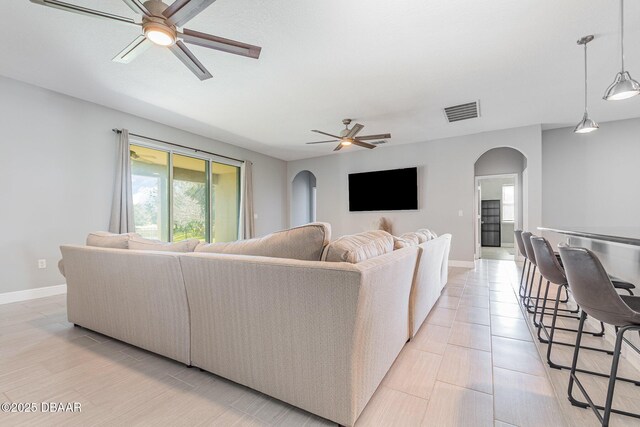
pixel 586 125
pixel 623 87
pixel 345 143
pixel 159 34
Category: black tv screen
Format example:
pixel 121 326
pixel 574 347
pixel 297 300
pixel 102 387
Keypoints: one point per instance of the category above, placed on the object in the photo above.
pixel 389 190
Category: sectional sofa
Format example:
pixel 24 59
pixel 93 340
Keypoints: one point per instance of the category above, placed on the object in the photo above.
pixel 312 322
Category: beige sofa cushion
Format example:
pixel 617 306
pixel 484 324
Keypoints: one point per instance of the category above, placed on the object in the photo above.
pixel 400 243
pixel 356 248
pixel 104 239
pixel 303 243
pixel 414 237
pixel 142 244
pixel 430 234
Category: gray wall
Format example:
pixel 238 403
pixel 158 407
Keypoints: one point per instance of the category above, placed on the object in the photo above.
pixel 446 183
pixel 592 179
pixel 58 165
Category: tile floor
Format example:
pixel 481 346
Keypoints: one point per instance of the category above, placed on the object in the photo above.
pixel 503 253
pixel 473 363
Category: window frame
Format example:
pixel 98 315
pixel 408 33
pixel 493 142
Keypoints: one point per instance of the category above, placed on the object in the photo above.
pixel 209 158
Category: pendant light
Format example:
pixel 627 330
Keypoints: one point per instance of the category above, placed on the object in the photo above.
pixel 586 125
pixel 623 85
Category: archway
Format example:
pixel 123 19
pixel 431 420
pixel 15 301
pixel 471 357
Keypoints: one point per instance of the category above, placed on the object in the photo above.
pixel 303 198
pixel 500 201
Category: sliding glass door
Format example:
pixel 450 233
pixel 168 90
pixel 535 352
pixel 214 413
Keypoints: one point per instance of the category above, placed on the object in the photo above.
pixel 150 185
pixel 190 198
pixel 225 201
pixel 177 196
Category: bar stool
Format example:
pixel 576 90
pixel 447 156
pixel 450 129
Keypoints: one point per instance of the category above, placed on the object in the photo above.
pixel 526 240
pixel 523 251
pixel 553 272
pixel 531 308
pixel 592 289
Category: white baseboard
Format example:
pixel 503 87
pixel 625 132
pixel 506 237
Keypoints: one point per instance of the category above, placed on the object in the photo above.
pixel 464 264
pixel 27 294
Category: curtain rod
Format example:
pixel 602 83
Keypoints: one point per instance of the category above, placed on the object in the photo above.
pixel 197 150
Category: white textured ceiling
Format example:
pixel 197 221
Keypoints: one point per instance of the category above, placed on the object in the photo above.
pixel 392 65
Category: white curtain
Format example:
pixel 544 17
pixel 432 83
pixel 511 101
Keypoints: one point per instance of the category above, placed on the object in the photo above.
pixel 248 227
pixel 122 206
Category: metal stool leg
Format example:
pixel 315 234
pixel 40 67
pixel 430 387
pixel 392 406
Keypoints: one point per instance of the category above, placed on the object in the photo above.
pixel 607 408
pixel 574 364
pixel 523 292
pixel 524 266
pixel 550 341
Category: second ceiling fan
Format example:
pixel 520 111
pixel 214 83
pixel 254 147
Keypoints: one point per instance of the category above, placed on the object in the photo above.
pixel 349 136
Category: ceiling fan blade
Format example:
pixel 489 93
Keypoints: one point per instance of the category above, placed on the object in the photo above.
pixel 354 130
pixel 138 7
pixel 131 52
pixel 370 137
pixel 328 134
pixel 220 43
pixel 84 11
pixel 339 147
pixel 322 142
pixel 189 59
pixel 362 144
pixel 182 11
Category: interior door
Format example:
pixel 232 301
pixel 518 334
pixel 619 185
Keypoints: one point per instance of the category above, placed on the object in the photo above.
pixel 490 223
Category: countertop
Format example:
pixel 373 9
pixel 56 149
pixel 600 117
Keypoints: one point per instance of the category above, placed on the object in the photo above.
pixel 624 235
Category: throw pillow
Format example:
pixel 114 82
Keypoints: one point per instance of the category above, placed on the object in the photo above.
pixel 356 248
pixel 303 243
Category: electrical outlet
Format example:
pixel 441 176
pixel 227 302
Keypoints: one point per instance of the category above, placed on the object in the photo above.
pixel 42 263
pixel 460 212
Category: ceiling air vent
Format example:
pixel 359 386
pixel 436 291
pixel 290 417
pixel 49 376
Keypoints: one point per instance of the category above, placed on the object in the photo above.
pixel 466 111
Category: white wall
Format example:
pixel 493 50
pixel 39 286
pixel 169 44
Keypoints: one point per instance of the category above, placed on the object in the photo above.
pixel 58 165
pixel 592 179
pixel 446 183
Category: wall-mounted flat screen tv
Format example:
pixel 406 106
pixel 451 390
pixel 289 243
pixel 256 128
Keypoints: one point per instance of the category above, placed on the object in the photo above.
pixel 388 190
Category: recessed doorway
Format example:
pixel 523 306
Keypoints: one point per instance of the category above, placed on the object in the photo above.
pixel 498 213
pixel 303 198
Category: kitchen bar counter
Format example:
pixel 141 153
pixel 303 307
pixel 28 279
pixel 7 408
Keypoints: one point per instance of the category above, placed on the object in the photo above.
pixel 624 235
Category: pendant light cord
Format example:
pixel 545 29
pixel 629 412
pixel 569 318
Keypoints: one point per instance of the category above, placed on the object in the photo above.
pixel 585 78
pixel 622 32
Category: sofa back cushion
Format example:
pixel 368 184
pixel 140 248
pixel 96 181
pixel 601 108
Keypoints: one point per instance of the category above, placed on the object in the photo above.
pixel 303 243
pixel 104 239
pixel 356 248
pixel 430 234
pixel 401 242
pixel 414 237
pixel 142 244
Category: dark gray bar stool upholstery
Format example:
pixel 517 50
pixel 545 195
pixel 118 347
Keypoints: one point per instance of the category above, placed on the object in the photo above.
pixel 593 290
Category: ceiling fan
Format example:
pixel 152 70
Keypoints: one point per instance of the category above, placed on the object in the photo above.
pixel 159 26
pixel 348 136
